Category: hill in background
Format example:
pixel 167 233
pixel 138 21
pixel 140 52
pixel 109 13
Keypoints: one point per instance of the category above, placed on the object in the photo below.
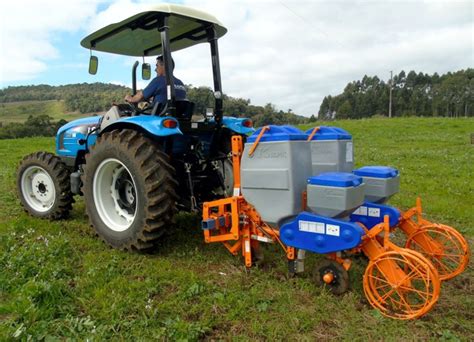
pixel 75 100
pixel 413 94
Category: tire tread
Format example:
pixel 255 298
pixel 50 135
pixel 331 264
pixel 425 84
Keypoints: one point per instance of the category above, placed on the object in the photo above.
pixel 160 184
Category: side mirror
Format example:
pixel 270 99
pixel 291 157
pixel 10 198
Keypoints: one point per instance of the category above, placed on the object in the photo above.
pixel 146 71
pixel 93 65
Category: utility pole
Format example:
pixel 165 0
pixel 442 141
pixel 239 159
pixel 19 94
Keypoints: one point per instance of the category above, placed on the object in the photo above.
pixel 390 103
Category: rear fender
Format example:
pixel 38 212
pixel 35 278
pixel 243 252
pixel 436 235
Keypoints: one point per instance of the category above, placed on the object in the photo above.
pixel 151 124
pixel 237 125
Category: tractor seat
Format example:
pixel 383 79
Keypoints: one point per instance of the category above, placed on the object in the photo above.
pixel 184 109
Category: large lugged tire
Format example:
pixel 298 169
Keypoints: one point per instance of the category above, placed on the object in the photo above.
pixel 43 184
pixel 129 190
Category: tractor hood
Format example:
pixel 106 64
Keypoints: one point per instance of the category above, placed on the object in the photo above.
pixel 138 35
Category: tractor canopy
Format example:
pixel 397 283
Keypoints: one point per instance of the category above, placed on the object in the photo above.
pixel 137 35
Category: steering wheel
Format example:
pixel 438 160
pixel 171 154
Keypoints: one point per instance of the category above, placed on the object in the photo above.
pixel 126 108
pixel 134 109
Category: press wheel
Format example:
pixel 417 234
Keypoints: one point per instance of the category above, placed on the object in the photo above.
pixel 444 246
pixel 401 284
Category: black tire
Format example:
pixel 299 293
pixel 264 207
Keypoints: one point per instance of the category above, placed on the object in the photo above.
pixel 226 168
pixel 340 282
pixel 40 196
pixel 153 201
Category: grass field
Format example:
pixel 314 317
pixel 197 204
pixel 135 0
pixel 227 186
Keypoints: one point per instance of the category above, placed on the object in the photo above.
pixel 58 281
pixel 19 111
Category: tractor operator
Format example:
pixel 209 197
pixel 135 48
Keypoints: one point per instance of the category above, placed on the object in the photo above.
pixel 157 87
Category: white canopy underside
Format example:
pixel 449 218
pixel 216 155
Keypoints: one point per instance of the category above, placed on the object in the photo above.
pixel 139 36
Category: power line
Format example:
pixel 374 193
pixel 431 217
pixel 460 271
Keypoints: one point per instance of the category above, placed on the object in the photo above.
pixel 311 24
pixel 390 102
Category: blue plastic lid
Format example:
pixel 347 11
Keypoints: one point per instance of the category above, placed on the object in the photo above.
pixel 278 133
pixel 376 172
pixel 330 133
pixel 336 179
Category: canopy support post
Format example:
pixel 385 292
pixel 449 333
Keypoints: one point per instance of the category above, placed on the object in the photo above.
pixel 216 72
pixel 166 53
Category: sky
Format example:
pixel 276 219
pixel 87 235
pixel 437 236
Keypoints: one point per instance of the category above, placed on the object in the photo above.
pixel 291 53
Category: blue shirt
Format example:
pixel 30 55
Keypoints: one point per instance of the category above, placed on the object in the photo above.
pixel 157 89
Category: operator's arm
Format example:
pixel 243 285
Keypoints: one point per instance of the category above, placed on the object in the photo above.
pixel 135 98
pixel 148 92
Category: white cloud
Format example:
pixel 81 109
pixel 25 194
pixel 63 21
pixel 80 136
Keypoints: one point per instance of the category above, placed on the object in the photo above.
pixel 27 33
pixel 290 53
pixel 117 11
pixel 293 53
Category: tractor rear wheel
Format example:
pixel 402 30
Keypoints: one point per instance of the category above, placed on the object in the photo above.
pixel 129 189
pixel 44 188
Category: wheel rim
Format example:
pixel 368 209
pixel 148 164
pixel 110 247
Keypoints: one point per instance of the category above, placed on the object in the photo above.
pixel 38 189
pixel 443 246
pixel 401 285
pixel 115 196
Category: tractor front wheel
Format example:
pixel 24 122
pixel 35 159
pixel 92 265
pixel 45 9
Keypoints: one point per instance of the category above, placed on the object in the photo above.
pixel 44 186
pixel 129 190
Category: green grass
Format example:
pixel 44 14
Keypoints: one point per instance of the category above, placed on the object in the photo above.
pixel 58 281
pixel 19 111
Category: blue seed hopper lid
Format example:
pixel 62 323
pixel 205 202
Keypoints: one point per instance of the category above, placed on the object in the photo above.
pixel 336 179
pixel 330 133
pixel 278 133
pixel 376 172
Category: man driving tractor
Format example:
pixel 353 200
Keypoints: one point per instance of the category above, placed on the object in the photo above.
pixel 157 87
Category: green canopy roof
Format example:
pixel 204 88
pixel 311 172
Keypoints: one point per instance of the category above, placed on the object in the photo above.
pixel 138 35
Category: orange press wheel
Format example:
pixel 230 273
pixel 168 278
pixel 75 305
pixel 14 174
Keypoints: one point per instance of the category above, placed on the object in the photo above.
pixel 444 246
pixel 401 284
pixel 434 271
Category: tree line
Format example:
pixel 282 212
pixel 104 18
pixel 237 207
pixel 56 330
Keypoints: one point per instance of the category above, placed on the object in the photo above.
pixel 98 97
pixel 416 94
pixel 413 94
pixel 34 126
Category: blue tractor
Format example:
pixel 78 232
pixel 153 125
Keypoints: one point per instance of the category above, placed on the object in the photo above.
pixel 137 167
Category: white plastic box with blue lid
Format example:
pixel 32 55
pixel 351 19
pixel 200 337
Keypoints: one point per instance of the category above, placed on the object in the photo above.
pixel 335 194
pixel 381 182
pixel 274 177
pixel 331 150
